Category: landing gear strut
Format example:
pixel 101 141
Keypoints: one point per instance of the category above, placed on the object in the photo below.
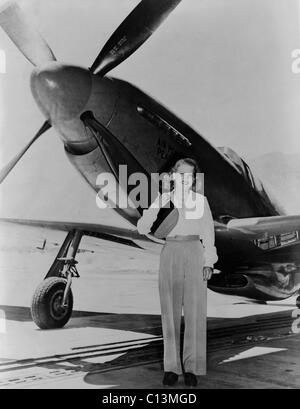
pixel 52 302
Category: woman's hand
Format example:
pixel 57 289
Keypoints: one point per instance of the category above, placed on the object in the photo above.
pixel 207 273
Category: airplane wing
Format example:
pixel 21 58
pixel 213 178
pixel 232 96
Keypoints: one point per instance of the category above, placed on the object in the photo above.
pixel 258 227
pixel 107 232
pixel 257 236
pixel 244 230
pixel 259 239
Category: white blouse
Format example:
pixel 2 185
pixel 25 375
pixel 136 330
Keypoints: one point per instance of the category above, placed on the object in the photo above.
pixel 194 218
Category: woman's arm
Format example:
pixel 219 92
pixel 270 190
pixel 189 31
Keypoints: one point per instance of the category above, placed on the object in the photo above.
pixel 208 236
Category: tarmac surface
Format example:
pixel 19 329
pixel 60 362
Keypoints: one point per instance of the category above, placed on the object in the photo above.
pixel 114 339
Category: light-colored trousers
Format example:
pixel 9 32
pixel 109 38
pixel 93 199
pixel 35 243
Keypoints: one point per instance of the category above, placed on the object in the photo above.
pixel 181 286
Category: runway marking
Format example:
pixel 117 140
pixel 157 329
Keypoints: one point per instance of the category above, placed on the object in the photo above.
pixel 118 343
pixel 252 353
pixel 102 359
pixel 62 367
pixel 96 352
pixel 22 376
pixel 88 359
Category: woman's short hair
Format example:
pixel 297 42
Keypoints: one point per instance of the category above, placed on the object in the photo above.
pixel 187 161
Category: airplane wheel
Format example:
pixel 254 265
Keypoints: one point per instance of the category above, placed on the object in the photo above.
pixel 298 302
pixel 46 309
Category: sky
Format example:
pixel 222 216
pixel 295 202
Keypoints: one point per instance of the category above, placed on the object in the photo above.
pixel 224 66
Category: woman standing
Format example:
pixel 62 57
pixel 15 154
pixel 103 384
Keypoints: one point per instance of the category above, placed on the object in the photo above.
pixel 186 263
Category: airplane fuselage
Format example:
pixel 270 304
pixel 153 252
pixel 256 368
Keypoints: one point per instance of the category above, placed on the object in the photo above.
pixel 156 138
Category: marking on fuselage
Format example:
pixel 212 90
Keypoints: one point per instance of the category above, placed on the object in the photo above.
pixel 164 126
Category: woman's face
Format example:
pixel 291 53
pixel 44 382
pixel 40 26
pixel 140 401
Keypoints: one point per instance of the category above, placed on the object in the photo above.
pixel 183 177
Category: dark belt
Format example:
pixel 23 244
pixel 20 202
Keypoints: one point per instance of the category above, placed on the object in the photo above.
pixel 179 237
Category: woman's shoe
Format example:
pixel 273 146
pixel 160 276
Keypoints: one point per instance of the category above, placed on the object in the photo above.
pixel 190 379
pixel 170 378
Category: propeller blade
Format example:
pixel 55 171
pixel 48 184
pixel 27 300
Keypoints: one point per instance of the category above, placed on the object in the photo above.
pixel 6 169
pixel 138 26
pixel 19 28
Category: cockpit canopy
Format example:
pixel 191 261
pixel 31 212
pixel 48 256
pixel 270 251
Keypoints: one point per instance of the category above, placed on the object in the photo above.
pixel 241 166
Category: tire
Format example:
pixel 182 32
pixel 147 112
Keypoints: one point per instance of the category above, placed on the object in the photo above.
pixel 298 302
pixel 46 310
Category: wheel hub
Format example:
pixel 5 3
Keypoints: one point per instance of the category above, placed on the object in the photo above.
pixel 57 309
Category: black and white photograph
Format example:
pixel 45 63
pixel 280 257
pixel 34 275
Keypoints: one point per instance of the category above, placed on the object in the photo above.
pixel 149 197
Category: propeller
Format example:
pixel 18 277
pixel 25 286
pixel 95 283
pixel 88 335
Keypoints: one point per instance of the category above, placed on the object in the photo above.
pixel 138 26
pixel 9 167
pixel 19 28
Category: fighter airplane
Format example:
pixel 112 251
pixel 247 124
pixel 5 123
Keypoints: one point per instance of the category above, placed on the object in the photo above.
pixel 104 122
